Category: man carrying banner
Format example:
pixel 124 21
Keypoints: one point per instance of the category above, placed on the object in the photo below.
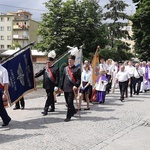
pixel 50 82
pixel 4 81
pixel 70 82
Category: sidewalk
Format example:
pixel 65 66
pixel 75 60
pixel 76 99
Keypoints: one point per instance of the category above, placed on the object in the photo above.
pixel 136 137
pixel 114 125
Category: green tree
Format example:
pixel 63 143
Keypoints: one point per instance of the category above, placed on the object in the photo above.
pixel 141 29
pixel 116 15
pixel 16 45
pixel 73 23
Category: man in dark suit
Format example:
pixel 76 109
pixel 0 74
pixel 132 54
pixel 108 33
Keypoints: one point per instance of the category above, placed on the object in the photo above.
pixel 70 83
pixel 50 82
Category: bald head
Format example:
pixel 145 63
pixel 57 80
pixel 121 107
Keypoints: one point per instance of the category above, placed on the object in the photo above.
pixel 137 65
pixel 122 67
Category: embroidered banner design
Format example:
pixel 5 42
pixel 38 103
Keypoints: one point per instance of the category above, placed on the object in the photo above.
pixel 21 75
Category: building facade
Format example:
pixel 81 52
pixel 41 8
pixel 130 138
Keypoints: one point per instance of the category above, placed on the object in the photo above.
pixel 131 42
pixel 17 28
pixel 6 31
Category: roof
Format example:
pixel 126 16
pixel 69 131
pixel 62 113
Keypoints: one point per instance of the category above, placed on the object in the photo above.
pixel 34 53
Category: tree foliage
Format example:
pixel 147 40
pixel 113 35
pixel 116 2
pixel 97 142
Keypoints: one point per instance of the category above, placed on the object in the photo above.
pixel 118 53
pixel 116 16
pixel 116 20
pixel 15 46
pixel 141 29
pixel 73 23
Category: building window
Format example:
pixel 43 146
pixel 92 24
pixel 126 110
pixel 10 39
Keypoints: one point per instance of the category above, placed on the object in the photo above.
pixel 1 37
pixel 2 19
pixel 16 33
pixel 8 46
pixel 8 19
pixel 2 28
pixel 8 37
pixel 8 28
pixel 1 46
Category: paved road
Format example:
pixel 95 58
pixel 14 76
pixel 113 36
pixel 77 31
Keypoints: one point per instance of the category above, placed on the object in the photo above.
pixel 105 126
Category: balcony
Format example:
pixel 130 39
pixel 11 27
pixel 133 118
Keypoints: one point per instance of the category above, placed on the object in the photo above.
pixel 20 37
pixel 24 18
pixel 20 27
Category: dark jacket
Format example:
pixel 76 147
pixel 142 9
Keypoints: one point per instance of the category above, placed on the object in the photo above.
pixel 66 84
pixel 47 83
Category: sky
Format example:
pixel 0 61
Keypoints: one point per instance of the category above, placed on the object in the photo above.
pixel 36 7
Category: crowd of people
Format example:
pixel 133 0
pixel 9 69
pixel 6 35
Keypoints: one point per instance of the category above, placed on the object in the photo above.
pixel 130 78
pixel 127 76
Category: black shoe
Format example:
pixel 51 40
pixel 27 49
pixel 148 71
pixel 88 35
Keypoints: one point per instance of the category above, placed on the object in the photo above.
pixel 121 99
pixel 51 110
pixel 22 108
pixel 67 119
pixel 131 96
pixel 16 108
pixel 44 113
pixel 86 108
pixel 6 124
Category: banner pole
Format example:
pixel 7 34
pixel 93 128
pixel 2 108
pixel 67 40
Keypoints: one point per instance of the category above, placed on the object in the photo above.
pixel 31 44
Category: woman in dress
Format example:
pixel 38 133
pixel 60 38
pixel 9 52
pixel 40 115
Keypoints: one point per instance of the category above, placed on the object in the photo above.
pixel 85 86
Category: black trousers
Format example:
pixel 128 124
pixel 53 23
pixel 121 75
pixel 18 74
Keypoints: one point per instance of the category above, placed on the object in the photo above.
pixel 69 97
pixel 138 82
pixel 20 102
pixel 123 87
pixel 131 85
pixel 108 86
pixel 3 112
pixel 49 100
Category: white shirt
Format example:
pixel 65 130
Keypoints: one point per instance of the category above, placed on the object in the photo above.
pixel 115 71
pixel 3 75
pixel 99 86
pixel 86 76
pixel 138 72
pixel 122 76
pixel 103 67
pixel 144 69
pixel 148 72
pixel 110 69
pixel 130 70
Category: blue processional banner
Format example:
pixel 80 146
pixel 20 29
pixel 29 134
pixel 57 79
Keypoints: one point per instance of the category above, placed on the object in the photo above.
pixel 21 75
